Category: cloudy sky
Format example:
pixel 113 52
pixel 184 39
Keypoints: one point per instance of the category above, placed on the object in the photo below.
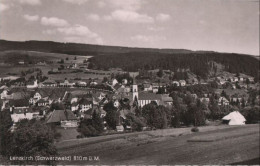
pixel 218 25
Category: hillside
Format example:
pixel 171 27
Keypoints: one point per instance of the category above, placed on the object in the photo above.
pixel 134 59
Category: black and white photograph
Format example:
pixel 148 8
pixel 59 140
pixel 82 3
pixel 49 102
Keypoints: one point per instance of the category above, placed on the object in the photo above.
pixel 129 82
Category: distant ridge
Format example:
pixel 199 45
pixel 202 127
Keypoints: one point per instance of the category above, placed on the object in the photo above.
pixel 82 49
pixel 91 49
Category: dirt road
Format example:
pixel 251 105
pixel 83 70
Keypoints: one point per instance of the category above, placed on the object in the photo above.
pixel 232 145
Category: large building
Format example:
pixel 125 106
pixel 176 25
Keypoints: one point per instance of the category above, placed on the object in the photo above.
pixel 143 98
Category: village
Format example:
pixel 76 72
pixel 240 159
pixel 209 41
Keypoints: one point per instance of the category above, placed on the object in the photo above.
pixel 66 103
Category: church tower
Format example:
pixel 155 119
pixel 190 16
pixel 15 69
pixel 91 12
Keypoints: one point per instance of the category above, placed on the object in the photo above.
pixel 135 90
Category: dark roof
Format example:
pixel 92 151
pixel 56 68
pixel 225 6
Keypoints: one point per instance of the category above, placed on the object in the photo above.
pixel 52 93
pixel 42 101
pixel 85 101
pixel 166 98
pixel 60 115
pixel 19 103
pixel 24 110
pixel 148 96
pixel 117 86
pixel 49 82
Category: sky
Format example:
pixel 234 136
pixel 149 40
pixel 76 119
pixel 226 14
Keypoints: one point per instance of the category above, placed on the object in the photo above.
pixel 213 25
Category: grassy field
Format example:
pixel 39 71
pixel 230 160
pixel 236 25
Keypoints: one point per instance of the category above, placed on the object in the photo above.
pixel 13 57
pixel 170 146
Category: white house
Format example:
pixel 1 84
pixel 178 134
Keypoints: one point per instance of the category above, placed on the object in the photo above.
pixel 155 87
pixel 114 82
pixel 19 115
pixel 81 83
pixel 223 101
pixel 5 94
pixel 182 83
pixel 176 83
pixel 116 103
pixel 74 107
pixel 34 85
pixel 124 81
pixel 148 87
pixel 66 83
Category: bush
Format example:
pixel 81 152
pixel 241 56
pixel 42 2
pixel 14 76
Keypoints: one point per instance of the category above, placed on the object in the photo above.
pixel 195 129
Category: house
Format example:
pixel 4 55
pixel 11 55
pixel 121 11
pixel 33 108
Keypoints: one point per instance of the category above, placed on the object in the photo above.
pixel 20 110
pixel 223 101
pixel 42 102
pixel 176 83
pixel 148 87
pixel 116 103
pixel 48 94
pixel 81 83
pixel 9 78
pixel 182 83
pixel 145 98
pixel 5 94
pixel 127 89
pixel 74 106
pixel 124 81
pixel 66 83
pixel 19 114
pixel 93 82
pixel 64 118
pixel 234 118
pixel 120 128
pixel 251 79
pixel 195 81
pixel 155 87
pixel 235 79
pixel 238 100
pixel 33 84
pixel 167 100
pixel 85 104
pixel 4 87
pixel 222 81
pixel 48 83
pixel 114 82
pixel 242 85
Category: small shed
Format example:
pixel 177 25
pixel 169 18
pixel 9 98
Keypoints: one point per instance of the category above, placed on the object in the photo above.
pixel 234 118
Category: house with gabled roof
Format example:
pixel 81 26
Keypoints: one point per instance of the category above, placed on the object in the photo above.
pixel 65 118
pixel 223 101
pixel 148 87
pixel 85 104
pixel 19 114
pixel 48 94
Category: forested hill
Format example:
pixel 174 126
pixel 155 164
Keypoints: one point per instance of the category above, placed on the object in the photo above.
pixel 198 63
pixel 133 59
pixel 78 49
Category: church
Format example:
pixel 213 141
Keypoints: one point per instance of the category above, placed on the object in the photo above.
pixel 143 98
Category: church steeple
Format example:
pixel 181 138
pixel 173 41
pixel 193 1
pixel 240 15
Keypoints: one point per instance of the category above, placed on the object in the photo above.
pixel 135 90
